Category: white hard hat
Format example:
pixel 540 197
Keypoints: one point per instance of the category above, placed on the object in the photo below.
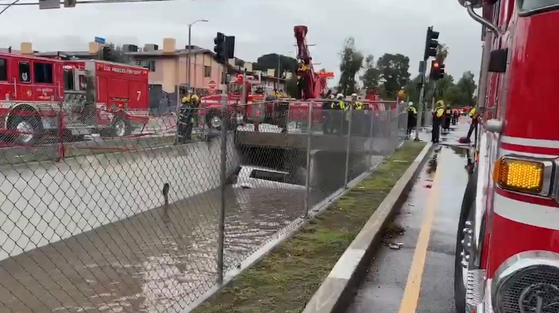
pixel 410 103
pixel 340 95
pixel 332 96
pixel 354 94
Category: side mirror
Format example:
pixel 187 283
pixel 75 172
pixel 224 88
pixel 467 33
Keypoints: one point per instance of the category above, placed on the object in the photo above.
pixel 473 3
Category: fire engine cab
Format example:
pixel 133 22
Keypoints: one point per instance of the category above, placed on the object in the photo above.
pixel 508 233
pixel 42 96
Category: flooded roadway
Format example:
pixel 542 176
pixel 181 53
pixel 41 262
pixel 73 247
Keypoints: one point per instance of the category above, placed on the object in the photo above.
pixel 91 241
pixel 419 277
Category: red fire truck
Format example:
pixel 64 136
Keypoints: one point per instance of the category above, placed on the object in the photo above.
pixel 255 108
pixel 40 96
pixel 508 233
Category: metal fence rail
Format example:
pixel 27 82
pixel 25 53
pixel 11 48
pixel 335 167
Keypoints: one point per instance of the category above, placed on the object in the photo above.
pixel 96 218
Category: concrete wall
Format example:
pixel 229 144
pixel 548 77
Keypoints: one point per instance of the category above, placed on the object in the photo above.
pixel 82 193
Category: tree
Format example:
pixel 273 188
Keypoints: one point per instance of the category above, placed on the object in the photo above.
pixel 442 52
pixel 394 71
pixel 270 61
pixel 467 87
pixel 291 86
pixel 117 55
pixel 351 64
pixel 371 77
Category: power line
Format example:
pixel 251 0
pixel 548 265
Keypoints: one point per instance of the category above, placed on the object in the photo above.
pixel 17 3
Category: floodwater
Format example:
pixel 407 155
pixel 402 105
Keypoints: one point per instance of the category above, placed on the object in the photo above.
pixel 149 262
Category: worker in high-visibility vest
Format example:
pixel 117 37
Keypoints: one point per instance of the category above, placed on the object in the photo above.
pixel 473 114
pixel 338 108
pixel 438 115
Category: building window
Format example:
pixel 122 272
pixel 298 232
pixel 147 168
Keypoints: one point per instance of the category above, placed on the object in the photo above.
pixel 24 72
pixel 149 64
pixel 207 71
pixel 43 72
pixel 3 70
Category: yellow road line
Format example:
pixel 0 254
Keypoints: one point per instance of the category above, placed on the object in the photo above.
pixel 413 285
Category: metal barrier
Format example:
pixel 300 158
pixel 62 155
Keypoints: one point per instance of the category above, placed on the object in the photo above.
pixel 98 218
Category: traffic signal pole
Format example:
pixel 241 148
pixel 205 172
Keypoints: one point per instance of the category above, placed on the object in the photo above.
pixel 431 45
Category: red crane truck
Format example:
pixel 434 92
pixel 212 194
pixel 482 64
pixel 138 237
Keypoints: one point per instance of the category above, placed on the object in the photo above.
pixel 43 96
pixel 507 258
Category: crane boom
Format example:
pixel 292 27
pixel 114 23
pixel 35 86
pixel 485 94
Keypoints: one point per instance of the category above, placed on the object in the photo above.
pixel 308 84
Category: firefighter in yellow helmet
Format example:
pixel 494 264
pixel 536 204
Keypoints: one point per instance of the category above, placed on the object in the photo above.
pixel 187 112
pixel 438 115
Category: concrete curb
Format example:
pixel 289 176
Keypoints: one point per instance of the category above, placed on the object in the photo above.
pixel 336 291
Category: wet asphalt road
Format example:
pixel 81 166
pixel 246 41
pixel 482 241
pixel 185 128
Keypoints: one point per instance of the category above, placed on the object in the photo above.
pixel 429 217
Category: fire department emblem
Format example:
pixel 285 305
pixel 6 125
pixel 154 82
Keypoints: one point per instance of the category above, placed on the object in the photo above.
pixel 29 93
pixel 539 298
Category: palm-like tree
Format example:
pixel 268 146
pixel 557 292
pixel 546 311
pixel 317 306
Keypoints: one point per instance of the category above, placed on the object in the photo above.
pixel 442 52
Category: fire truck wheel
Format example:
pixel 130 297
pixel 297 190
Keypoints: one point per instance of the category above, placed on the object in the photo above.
pixel 30 127
pixel 464 244
pixel 213 119
pixel 121 127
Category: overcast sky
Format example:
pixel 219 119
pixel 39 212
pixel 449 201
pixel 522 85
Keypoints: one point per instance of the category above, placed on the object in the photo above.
pixel 260 27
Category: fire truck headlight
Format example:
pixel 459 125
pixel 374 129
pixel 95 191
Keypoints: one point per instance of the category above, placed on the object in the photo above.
pixel 527 282
pixel 522 174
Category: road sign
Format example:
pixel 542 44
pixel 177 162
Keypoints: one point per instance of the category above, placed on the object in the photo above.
pixel 212 84
pixel 100 40
pixel 49 4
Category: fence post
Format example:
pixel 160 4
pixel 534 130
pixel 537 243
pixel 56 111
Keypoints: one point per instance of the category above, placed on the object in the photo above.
pixel 308 178
pixel 350 112
pixel 223 167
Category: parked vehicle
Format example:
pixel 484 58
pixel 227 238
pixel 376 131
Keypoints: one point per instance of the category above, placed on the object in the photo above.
pixel 507 250
pixel 42 96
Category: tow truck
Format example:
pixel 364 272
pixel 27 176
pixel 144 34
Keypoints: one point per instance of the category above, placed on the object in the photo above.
pixel 43 96
pixel 507 249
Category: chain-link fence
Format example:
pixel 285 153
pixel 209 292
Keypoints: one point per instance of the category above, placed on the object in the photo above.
pixel 114 210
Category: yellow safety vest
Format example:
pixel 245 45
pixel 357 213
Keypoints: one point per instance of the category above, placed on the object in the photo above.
pixel 440 112
pixel 472 112
pixel 358 105
pixel 412 110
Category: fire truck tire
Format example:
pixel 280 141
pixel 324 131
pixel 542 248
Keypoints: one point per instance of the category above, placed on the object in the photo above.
pixel 214 119
pixel 121 127
pixel 28 124
pixel 466 214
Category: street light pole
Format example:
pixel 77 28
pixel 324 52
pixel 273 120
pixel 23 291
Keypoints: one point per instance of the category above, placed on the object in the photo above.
pixel 188 73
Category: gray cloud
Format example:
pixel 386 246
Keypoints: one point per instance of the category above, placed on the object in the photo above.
pixel 260 26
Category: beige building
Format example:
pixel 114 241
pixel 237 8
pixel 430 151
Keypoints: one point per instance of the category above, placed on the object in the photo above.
pixel 168 67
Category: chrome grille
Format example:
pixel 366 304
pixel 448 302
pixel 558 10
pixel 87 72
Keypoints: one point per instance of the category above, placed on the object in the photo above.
pixel 533 289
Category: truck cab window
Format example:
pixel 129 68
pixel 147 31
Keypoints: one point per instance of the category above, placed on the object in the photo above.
pixel 3 70
pixel 538 5
pixel 69 80
pixel 43 73
pixel 24 72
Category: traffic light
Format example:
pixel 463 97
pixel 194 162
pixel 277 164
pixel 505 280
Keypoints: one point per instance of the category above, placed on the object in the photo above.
pixel 219 48
pixel 230 46
pixel 107 53
pixel 431 43
pixel 441 71
pixel 70 3
pixel 435 70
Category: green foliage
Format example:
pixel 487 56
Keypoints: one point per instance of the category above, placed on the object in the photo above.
pixel 394 71
pixel 117 55
pixel 371 76
pixel 291 86
pixel 272 60
pixel 352 62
